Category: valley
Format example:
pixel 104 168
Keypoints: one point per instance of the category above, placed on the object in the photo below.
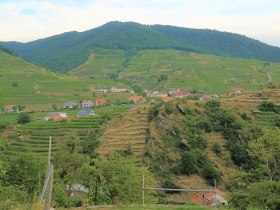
pixel 184 117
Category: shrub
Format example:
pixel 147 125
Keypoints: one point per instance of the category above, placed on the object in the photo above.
pixel 216 148
pixel 213 104
pixel 23 118
pixel 198 142
pixel 189 162
pixel 210 173
pixel 171 185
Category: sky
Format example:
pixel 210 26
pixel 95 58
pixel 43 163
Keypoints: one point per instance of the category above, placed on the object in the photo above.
pixel 28 20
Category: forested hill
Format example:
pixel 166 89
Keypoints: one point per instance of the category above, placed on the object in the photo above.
pixel 68 50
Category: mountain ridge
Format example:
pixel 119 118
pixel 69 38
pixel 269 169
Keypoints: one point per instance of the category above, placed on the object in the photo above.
pixel 68 50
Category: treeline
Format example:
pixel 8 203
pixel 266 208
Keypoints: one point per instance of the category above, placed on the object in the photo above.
pixel 68 50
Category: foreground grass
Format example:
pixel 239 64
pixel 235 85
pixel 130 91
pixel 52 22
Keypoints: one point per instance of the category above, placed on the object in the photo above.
pixel 141 207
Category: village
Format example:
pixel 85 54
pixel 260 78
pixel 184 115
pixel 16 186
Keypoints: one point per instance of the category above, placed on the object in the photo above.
pixel 85 106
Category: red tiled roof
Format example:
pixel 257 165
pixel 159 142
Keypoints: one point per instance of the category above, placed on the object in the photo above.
pixel 136 98
pixel 100 100
pixel 9 106
pixel 198 199
pixel 166 98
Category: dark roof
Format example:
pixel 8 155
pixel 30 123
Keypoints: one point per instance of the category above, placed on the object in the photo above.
pixel 85 112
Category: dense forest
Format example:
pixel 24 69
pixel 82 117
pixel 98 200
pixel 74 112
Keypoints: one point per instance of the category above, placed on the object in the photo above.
pixel 68 50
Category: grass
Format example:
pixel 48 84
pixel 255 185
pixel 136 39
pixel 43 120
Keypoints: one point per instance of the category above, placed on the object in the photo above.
pixel 145 207
pixel 183 70
pixel 38 89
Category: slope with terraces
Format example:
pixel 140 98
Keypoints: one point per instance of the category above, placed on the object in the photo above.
pixel 126 132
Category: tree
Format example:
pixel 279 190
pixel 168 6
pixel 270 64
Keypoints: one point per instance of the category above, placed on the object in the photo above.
pixel 267 149
pixel 24 171
pixel 117 179
pixel 23 118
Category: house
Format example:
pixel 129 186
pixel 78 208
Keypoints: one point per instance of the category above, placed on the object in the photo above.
pixel 196 198
pixel 118 89
pixel 238 90
pixel 208 97
pixel 9 108
pixel 210 199
pixel 86 104
pixel 215 198
pixel 85 113
pixel 102 90
pixel 136 98
pixel 70 105
pixel 100 102
pixel 166 98
pixel 76 190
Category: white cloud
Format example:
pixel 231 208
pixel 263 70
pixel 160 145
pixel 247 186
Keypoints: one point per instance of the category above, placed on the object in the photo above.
pixel 258 19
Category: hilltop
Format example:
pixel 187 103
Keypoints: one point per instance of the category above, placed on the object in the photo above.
pixel 66 51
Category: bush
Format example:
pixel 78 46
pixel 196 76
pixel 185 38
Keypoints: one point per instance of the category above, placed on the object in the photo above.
pixel 213 104
pixel 189 162
pixel 198 142
pixel 170 184
pixel 210 173
pixel 216 148
pixel 153 112
pixel 23 118
pixel 169 109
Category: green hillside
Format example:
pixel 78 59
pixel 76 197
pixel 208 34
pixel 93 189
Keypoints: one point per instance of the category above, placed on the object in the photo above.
pixel 69 50
pixel 22 83
pixel 163 69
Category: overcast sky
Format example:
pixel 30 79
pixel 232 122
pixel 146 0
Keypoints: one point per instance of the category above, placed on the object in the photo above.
pixel 27 20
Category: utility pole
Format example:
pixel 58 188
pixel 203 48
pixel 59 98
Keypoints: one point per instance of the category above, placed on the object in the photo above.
pixel 48 184
pixel 143 190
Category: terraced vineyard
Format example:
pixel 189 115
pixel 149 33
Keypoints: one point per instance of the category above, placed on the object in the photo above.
pixel 127 132
pixel 267 118
pixel 34 137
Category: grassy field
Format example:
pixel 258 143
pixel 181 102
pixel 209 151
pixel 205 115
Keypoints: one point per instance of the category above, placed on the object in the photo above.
pixel 180 69
pixel 37 88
